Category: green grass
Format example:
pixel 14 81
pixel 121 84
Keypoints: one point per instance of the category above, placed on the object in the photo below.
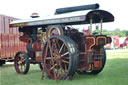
pixel 114 73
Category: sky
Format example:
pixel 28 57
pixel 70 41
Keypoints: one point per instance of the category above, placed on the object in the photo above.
pixel 24 8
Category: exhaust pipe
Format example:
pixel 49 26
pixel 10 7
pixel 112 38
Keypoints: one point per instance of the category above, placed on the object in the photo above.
pixel 76 8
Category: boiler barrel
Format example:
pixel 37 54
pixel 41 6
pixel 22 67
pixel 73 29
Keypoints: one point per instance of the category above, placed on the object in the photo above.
pixel 76 8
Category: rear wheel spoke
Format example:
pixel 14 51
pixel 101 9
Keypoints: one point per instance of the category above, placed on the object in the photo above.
pixel 64 61
pixel 61 48
pixel 65 67
pixel 65 54
pixel 53 67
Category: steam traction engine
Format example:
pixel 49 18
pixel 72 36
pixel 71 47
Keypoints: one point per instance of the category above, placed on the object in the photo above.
pixel 62 49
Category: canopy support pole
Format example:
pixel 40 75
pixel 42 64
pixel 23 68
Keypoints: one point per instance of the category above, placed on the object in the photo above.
pixel 91 26
pixel 101 21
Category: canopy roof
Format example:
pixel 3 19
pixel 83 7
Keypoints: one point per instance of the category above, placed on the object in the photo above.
pixel 73 18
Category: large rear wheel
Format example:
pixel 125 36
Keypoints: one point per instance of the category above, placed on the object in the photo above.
pixel 61 57
pixel 21 62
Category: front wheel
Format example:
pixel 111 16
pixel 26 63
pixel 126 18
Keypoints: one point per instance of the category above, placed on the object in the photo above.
pixel 21 62
pixel 103 63
pixel 94 72
pixel 60 57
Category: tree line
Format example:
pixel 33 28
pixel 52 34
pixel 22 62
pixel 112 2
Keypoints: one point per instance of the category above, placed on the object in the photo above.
pixel 123 33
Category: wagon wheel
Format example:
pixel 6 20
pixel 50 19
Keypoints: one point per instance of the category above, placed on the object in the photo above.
pixel 94 72
pixel 2 62
pixel 21 62
pixel 41 66
pixel 54 30
pixel 61 58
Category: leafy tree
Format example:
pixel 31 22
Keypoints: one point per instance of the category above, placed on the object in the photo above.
pixel 126 32
pixel 120 33
pixel 116 32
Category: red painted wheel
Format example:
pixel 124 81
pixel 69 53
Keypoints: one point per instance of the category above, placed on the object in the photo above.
pixel 94 72
pixel 61 57
pixel 21 62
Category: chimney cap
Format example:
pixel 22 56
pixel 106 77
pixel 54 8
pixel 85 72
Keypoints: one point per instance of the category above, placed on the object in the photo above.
pixel 34 15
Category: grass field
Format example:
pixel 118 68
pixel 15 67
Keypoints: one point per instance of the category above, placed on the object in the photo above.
pixel 114 73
